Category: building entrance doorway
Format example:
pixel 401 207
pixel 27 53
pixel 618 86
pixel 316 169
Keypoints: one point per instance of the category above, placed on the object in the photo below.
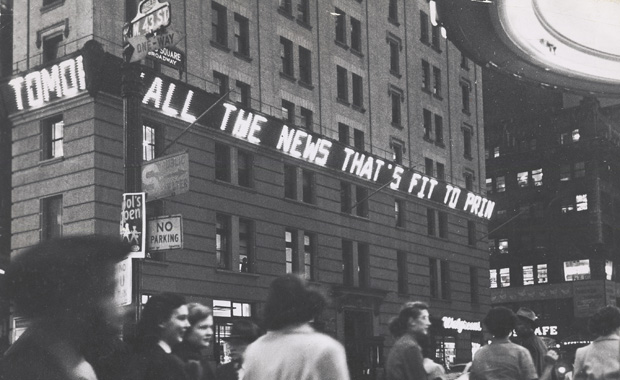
pixel 364 351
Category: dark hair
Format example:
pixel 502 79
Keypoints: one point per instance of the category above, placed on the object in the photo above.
pixel 291 301
pixel 604 321
pixel 398 325
pixel 64 276
pixel 158 309
pixel 197 312
pixel 500 321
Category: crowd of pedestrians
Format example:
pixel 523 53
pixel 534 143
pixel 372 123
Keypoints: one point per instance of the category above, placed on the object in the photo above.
pixel 66 287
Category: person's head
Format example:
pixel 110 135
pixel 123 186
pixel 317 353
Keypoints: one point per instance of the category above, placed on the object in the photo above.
pixel 290 301
pixel 413 318
pixel 605 321
pixel 526 322
pixel 165 318
pixel 242 333
pixel 69 280
pixel 500 321
pixel 200 318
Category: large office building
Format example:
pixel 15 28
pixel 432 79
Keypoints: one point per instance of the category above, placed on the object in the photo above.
pixel 348 148
pixel 554 241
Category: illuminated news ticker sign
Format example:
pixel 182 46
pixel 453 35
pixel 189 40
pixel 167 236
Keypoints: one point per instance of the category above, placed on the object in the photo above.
pixel 179 100
pixel 37 88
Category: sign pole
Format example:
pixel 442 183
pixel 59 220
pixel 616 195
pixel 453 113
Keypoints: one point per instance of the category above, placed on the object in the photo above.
pixel 132 127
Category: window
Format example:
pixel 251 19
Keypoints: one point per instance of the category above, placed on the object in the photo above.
pixel 286 6
pixel 572 171
pixel 222 162
pixel 502 246
pixel 428 167
pixel 428 125
pixel 403 272
pixel 443 224
pixel 347 263
pixel 541 270
pixel 439 278
pixel 493 278
pixel 393 11
pixel 290 182
pixel 426 76
pixel 523 179
pixel 471 233
pixel 496 152
pixel 222 241
pixel 307 189
pixel 537 177
pixel 474 285
pixel 577 270
pixel 396 97
pixel 430 222
pixel 246 246
pixel 242 35
pixel 307 118
pixel 343 84
pixel 288 112
pixel 358 94
pixel 50 47
pixel 579 169
pixel 424 28
pixel 467 134
pixel 309 255
pixel 528 275
pixel 343 133
pixel 219 28
pixel 436 33
pixel 53 136
pixel 363 265
pixel 51 217
pixel 441 171
pixel 581 201
pixel 394 57
pixel 489 183
pixel 356 35
pixel 465 97
pixel 500 184
pixel 397 152
pixel 361 199
pixel 358 139
pixel 292 255
pixel 345 197
pixel 286 55
pixel 221 81
pixel 438 130
pixel 399 212
pixel 305 65
pixel 341 26
pixel 469 181
pixel 242 94
pixel 504 277
pixel 464 62
pixel 244 169
pixel 535 274
pixel 304 11
pixel 570 137
pixel 436 81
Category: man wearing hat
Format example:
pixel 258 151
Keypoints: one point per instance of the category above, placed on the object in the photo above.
pixel 242 333
pixel 526 337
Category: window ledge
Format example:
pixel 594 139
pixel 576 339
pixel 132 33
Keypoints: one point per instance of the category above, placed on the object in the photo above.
pixel 286 13
pixel 428 139
pixel 357 52
pixel 396 74
pixel 343 102
pixel 304 84
pixel 466 112
pixel 218 45
pixel 236 273
pixel 358 108
pixel 54 5
pixel 436 48
pixel 438 97
pixel 304 24
pixel 427 90
pixel 243 56
pixel 468 157
pixel 50 161
pixel 234 185
pixel 393 21
pixel 288 77
pixel 342 44
pixel 440 144
pixel 397 125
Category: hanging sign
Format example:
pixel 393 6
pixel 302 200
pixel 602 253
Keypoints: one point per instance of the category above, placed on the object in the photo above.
pixel 133 223
pixel 165 232
pixel 122 295
pixel 166 176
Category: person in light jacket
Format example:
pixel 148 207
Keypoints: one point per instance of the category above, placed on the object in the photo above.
pixel 601 358
pixel 292 348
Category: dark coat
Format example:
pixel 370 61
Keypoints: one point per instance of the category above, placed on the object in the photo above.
pixel 228 371
pixel 151 362
pixel 197 366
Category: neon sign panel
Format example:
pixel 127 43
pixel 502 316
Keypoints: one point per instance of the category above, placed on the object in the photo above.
pixel 179 100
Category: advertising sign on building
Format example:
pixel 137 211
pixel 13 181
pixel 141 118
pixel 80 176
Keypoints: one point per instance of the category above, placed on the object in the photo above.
pixel 169 56
pixel 166 176
pixel 122 294
pixel 165 232
pixel 133 223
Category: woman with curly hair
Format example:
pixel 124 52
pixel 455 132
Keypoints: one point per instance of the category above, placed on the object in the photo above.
pixel 601 358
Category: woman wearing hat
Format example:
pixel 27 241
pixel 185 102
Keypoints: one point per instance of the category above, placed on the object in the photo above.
pixel 292 348
pixel 242 333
